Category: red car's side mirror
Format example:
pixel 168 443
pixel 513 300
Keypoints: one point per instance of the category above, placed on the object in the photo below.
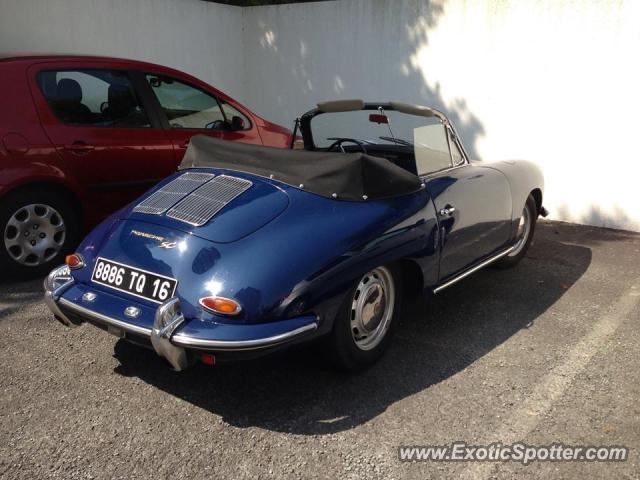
pixel 237 123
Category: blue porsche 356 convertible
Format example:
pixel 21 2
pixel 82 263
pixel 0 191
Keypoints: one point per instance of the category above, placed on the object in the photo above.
pixel 249 249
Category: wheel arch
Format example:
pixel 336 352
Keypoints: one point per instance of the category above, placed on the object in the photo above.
pixel 536 193
pixel 53 186
pixel 412 276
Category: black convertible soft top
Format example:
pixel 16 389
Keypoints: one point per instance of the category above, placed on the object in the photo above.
pixel 346 176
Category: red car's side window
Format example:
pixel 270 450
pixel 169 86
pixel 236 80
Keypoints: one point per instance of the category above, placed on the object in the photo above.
pixel 238 120
pixel 93 97
pixel 189 107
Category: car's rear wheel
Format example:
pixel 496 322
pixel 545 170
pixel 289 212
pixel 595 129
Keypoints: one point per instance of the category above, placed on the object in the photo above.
pixel 524 235
pixel 364 325
pixel 38 228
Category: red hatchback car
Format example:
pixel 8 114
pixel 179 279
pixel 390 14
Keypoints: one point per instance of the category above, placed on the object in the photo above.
pixel 83 136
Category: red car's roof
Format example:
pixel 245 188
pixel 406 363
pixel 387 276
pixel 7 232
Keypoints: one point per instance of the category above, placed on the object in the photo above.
pixel 24 55
pixel 21 56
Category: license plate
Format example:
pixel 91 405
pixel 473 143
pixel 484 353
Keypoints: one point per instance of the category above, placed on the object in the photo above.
pixel 133 281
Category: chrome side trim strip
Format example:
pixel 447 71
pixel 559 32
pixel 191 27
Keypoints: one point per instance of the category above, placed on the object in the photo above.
pixel 99 317
pixel 190 342
pixel 466 273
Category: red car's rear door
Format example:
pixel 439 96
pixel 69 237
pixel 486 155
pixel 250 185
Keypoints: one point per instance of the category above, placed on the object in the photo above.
pixel 108 135
pixel 188 107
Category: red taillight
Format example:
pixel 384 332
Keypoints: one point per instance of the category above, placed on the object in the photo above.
pixel 221 305
pixel 74 261
pixel 208 359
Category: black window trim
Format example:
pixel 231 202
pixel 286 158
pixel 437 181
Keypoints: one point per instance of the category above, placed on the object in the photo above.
pixel 164 120
pixel 148 98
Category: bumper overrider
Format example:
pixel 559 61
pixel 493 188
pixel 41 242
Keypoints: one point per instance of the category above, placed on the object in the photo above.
pixel 165 328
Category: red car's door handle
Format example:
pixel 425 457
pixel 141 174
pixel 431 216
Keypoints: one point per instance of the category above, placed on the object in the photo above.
pixel 79 147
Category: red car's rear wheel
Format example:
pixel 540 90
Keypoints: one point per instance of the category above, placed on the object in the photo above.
pixel 38 229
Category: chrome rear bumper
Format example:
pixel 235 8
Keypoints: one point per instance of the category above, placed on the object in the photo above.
pixel 168 319
pixel 56 283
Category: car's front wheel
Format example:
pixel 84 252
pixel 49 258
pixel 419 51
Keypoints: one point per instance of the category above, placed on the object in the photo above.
pixel 38 228
pixel 363 327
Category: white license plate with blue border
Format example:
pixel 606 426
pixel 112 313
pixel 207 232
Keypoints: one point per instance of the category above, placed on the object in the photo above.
pixel 134 281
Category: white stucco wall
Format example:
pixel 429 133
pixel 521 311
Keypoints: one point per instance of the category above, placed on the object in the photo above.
pixel 200 38
pixel 555 82
pixel 552 81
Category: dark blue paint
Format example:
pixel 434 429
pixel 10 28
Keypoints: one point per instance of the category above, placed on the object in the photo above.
pixel 481 223
pixel 288 256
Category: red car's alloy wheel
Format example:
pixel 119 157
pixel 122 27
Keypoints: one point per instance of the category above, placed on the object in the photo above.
pixel 34 234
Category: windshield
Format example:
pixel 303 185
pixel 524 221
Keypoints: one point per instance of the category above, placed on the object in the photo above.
pixel 327 127
pixel 425 139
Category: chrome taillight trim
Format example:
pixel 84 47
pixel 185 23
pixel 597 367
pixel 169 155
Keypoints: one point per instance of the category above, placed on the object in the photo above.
pixel 226 314
pixel 80 264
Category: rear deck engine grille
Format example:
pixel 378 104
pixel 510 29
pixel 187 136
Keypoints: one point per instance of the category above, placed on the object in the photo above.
pixel 202 204
pixel 170 194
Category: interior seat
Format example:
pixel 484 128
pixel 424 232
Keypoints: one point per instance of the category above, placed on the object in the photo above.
pixel 67 103
pixel 121 104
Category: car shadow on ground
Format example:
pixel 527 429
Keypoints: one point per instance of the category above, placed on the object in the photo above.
pixel 16 295
pixel 297 393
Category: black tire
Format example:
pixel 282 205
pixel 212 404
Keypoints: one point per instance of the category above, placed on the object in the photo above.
pixel 13 207
pixel 512 260
pixel 344 352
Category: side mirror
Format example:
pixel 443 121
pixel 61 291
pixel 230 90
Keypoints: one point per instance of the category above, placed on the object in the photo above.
pixel 237 123
pixel 378 118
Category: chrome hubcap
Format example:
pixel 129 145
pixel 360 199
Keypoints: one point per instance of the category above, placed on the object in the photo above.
pixel 524 228
pixel 372 308
pixel 34 234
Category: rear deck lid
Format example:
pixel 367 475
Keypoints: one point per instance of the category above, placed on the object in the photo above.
pixel 216 206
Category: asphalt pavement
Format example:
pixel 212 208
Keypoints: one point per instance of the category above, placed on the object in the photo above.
pixel 547 352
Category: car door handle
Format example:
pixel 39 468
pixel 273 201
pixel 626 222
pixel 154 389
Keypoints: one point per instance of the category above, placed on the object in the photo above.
pixel 447 211
pixel 79 147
